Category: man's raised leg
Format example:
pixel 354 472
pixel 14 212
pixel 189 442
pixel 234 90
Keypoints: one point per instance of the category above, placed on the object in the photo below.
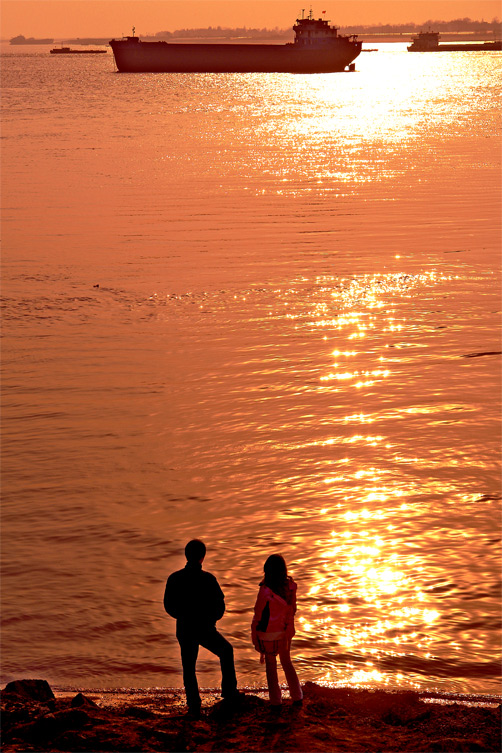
pixel 213 641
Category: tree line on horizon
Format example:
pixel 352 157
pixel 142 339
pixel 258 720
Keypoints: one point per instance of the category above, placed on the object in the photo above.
pixel 457 25
pixel 221 32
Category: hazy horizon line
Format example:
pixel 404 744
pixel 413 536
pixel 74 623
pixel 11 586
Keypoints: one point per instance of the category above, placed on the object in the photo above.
pixel 382 25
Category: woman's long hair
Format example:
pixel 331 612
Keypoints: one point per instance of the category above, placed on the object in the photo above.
pixel 276 576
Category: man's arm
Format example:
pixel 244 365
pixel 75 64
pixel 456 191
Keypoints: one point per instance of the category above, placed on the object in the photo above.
pixel 171 599
pixel 218 601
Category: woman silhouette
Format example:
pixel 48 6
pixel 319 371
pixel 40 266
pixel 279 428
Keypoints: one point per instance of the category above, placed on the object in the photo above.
pixel 273 627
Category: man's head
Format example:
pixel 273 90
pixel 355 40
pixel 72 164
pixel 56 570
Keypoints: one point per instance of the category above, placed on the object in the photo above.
pixel 195 550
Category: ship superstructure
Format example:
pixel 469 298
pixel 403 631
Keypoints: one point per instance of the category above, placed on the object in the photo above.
pixel 312 32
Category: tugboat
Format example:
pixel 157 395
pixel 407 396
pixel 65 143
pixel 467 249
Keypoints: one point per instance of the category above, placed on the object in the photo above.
pixel 317 48
pixel 428 41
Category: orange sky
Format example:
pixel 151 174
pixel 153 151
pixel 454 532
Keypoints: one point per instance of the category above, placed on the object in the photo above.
pixel 59 18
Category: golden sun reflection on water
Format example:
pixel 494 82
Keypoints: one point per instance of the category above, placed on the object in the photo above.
pixel 370 603
pixel 333 151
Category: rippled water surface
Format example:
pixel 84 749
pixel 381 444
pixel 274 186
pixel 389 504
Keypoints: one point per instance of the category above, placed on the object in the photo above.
pixel 262 310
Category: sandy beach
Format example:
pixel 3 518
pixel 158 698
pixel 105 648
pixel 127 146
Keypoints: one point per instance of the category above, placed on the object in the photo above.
pixel 331 719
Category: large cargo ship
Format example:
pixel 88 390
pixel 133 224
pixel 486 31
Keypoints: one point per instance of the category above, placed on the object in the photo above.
pixel 428 41
pixel 317 48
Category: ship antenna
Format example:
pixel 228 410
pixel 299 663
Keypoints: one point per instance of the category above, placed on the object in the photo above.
pixel 133 30
pixel 303 13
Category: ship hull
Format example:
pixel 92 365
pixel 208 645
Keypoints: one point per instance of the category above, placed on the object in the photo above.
pixel 484 47
pixel 162 57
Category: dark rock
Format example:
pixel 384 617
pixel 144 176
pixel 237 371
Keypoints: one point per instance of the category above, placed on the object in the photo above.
pixel 171 739
pixel 403 715
pixel 201 733
pixel 320 707
pixel 35 690
pixel 321 734
pixel 138 713
pixel 457 745
pixel 72 741
pixel 81 700
pixel 242 704
pixel 252 702
pixel 51 725
pixel 310 689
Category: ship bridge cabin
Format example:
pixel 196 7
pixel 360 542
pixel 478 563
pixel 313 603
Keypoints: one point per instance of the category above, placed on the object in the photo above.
pixel 311 31
pixel 425 40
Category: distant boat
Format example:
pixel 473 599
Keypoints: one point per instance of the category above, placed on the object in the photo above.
pixel 317 48
pixel 68 51
pixel 428 41
pixel 30 40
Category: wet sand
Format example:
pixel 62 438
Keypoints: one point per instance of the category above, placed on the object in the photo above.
pixel 331 719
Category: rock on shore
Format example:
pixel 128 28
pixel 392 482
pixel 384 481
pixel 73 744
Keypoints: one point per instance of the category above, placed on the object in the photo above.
pixel 340 719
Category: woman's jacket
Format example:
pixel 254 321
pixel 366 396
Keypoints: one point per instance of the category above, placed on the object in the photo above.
pixel 274 617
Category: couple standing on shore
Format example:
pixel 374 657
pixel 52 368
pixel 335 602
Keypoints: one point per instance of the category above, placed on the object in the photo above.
pixel 194 598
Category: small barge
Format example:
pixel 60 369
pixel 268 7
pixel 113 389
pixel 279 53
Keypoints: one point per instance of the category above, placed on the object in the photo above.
pixel 68 51
pixel 428 41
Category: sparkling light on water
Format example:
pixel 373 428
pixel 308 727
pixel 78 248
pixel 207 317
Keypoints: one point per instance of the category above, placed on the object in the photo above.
pixel 262 310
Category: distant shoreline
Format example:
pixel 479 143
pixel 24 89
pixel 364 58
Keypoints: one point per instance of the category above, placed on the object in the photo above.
pixel 403 37
pixel 465 29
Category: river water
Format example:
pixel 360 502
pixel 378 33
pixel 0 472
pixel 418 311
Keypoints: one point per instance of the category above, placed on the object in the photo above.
pixel 262 310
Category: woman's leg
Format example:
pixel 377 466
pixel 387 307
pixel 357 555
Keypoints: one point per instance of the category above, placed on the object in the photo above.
pixel 294 686
pixel 274 690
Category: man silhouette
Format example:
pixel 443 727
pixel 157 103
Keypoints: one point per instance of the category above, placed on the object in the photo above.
pixel 194 598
